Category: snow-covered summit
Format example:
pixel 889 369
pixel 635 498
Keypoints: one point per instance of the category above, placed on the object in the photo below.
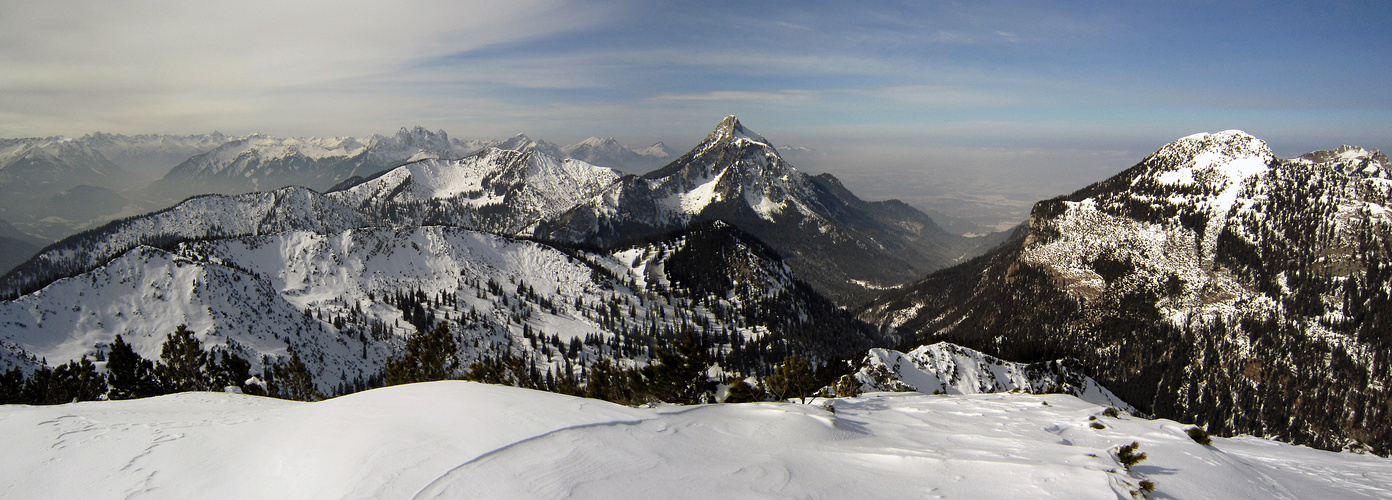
pixel 1211 281
pixel 657 150
pixel 1215 160
pixel 469 440
pixel 521 142
pixel 1351 160
pixel 501 190
pixel 736 175
pixel 731 130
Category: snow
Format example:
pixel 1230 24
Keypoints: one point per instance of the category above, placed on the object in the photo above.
pixel 469 440
pixel 945 368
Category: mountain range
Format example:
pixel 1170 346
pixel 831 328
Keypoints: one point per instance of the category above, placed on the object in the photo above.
pixel 151 171
pixel 1211 283
pixel 342 277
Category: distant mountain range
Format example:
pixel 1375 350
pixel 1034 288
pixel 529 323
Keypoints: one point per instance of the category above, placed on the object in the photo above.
pixel 54 187
pixel 1211 283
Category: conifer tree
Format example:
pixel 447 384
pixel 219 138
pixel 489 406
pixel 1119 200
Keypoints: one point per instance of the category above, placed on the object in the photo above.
pixel 679 376
pixel 12 386
pixel 792 379
pixel 75 381
pixel 429 356
pixel 128 375
pixel 183 362
pixel 292 380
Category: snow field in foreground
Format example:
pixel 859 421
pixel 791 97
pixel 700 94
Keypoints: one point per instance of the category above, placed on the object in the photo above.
pixel 469 440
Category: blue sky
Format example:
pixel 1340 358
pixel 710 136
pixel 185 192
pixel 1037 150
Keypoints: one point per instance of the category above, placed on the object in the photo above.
pixel 1063 91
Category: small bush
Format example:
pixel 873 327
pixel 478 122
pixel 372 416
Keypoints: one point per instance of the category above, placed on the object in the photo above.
pixel 1111 412
pixel 1199 436
pixel 1098 425
pixel 1127 455
pixel 1147 486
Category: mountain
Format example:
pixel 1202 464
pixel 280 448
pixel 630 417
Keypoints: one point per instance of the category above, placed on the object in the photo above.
pixel 502 191
pixel 1210 283
pixel 608 152
pixel 346 300
pixel 201 217
pixel 944 368
pixel 521 142
pixel 83 203
pixel 837 242
pixel 259 162
pixel 657 150
pixel 33 170
pixel 840 244
pixel 44 166
pixel 15 246
pixel 150 156
pixel 469 440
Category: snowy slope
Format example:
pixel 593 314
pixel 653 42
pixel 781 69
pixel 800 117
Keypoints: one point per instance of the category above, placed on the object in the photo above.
pixel 944 368
pixel 495 190
pixel 468 440
pixel 212 216
pixel 498 190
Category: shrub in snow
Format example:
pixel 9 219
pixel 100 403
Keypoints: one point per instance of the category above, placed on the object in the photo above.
pixel 1127 455
pixel 1199 436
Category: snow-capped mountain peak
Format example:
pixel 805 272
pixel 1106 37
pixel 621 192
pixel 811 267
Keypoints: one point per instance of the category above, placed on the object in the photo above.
pixel 1351 160
pixel 657 150
pixel 1215 159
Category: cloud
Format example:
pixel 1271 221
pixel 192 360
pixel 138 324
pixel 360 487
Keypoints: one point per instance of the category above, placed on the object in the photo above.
pixel 234 57
pixel 739 95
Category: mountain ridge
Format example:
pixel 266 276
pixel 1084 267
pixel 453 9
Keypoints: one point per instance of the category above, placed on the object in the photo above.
pixel 1211 283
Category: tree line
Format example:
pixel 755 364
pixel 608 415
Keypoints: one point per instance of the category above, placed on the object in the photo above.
pixel 183 366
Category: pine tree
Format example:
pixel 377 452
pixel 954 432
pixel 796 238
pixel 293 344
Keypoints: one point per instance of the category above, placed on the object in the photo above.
pixel 429 356
pixel 183 362
pixel 12 386
pixel 292 380
pixel 226 369
pixel 792 379
pixel 75 381
pixel 847 386
pixel 679 376
pixel 128 375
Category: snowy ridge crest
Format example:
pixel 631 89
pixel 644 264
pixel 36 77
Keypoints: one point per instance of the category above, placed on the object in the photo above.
pixel 945 368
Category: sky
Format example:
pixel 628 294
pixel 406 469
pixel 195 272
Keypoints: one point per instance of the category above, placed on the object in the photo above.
pixel 955 106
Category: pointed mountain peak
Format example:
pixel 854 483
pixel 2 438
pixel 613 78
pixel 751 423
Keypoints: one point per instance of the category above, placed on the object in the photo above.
pixel 732 130
pixel 730 133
